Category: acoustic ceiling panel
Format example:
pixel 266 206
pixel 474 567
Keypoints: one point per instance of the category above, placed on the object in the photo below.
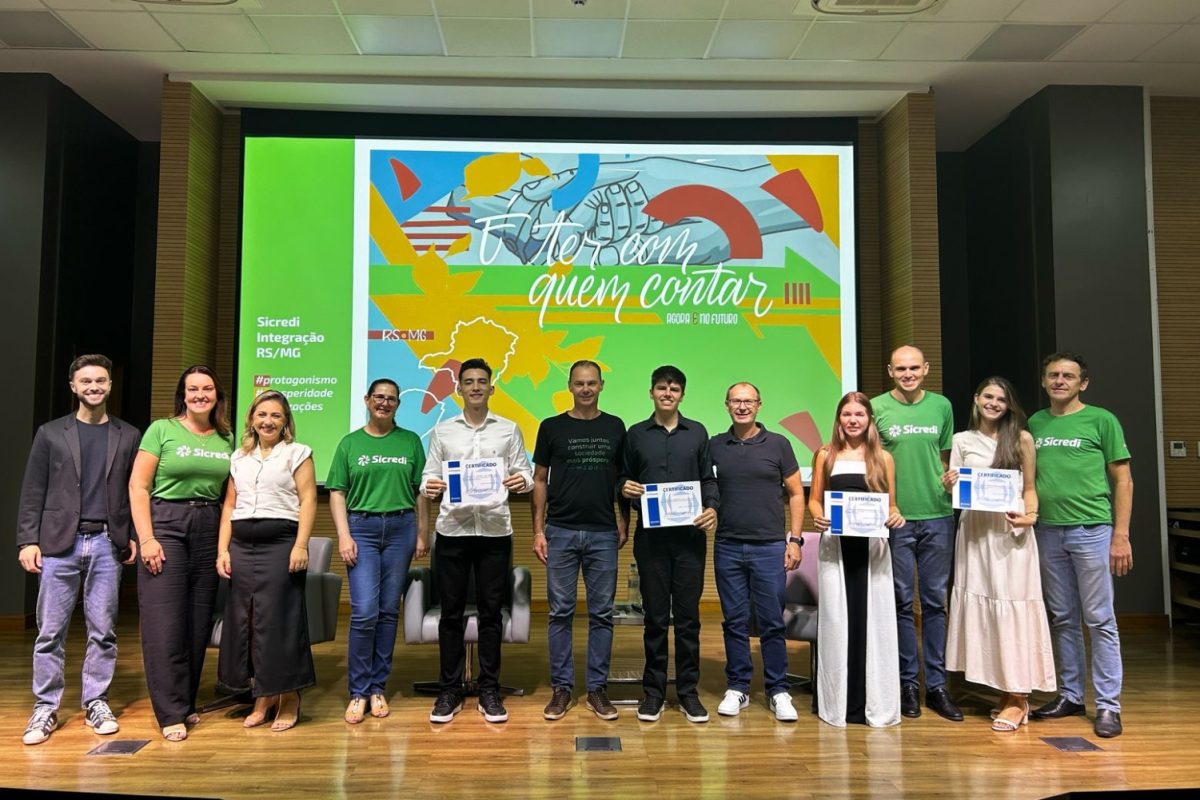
pixel 36 29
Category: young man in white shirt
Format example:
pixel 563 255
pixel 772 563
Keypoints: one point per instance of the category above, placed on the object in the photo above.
pixel 474 537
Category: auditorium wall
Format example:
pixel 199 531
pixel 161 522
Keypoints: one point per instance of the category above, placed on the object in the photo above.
pixel 1053 243
pixel 68 214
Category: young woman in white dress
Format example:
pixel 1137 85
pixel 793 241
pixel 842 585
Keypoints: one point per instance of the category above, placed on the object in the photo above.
pixel 997 632
pixel 858 661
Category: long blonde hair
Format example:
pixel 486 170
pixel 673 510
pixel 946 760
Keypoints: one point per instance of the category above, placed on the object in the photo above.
pixel 250 436
pixel 876 473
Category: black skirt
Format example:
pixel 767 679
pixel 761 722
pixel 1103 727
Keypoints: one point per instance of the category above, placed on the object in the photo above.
pixel 264 641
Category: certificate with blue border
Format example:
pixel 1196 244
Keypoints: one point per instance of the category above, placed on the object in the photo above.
pixel 669 505
pixel 857 513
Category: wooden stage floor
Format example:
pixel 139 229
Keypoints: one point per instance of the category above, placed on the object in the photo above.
pixel 749 756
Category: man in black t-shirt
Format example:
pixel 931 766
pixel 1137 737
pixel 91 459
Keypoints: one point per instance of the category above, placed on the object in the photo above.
pixel 73 533
pixel 575 527
pixel 756 470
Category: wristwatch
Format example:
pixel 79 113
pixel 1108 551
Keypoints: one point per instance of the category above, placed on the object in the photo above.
pixel 798 540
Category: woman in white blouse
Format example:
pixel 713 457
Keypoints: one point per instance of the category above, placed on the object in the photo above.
pixel 268 516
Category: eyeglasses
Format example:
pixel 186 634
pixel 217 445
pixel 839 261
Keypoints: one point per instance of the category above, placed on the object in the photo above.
pixel 742 403
pixel 386 399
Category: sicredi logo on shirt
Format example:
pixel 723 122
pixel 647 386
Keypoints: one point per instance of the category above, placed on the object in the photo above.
pixel 1053 441
pixel 364 460
pixel 897 430
pixel 183 451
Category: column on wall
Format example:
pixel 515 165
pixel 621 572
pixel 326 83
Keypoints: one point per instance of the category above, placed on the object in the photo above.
pixel 185 293
pixel 1175 132
pixel 910 303
pixel 870 328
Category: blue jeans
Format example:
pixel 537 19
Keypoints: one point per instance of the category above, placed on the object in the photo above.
pixel 928 545
pixel 595 552
pixel 385 550
pixel 93 566
pixel 752 572
pixel 1076 582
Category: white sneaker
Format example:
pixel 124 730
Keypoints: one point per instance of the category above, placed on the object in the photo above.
pixel 100 718
pixel 781 704
pixel 733 702
pixel 41 725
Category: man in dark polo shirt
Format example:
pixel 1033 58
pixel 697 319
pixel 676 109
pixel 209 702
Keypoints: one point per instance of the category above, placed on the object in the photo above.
pixel 756 470
pixel 575 528
pixel 73 533
pixel 668 447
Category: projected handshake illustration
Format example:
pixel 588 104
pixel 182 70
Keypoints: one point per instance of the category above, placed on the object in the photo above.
pixel 647 210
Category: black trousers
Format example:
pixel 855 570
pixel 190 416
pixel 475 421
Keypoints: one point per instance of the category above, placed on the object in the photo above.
pixel 176 605
pixel 671 568
pixel 454 559
pixel 265 632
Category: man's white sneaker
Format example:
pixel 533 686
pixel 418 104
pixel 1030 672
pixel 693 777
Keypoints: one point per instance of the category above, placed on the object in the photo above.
pixel 781 705
pixel 733 702
pixel 100 718
pixel 41 725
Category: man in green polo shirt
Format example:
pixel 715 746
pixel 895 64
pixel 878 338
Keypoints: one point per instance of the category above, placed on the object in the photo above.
pixel 917 427
pixel 1085 497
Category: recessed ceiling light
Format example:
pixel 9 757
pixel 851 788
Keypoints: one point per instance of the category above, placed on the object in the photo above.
pixel 186 2
pixel 876 8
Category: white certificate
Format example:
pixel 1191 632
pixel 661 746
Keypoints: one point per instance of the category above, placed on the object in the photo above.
pixel 988 489
pixel 857 513
pixel 474 482
pixel 667 505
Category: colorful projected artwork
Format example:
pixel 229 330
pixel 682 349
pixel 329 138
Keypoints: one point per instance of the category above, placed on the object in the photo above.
pixel 733 262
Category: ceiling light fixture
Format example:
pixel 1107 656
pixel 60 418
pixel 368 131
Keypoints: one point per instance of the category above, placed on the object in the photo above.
pixel 186 2
pixel 865 8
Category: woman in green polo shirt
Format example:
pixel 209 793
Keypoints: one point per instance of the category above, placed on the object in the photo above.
pixel 373 483
pixel 174 494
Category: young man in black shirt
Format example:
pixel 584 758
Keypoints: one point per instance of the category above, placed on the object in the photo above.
pixel 73 533
pixel 575 527
pixel 668 447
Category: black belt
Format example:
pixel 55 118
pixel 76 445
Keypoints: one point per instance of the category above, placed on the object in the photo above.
pixel 192 503
pixel 383 514
pixel 93 527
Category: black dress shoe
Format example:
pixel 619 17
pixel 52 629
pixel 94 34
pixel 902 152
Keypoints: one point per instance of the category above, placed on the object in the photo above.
pixel 939 700
pixel 910 703
pixel 1108 723
pixel 1058 708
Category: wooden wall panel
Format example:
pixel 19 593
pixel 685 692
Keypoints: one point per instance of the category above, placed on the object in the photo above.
pixel 909 280
pixel 225 333
pixel 1175 142
pixel 870 296
pixel 185 297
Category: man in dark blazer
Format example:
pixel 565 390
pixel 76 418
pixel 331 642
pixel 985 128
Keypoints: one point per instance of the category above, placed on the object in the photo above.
pixel 73 529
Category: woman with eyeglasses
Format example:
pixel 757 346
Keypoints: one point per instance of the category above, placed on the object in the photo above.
pixel 373 485
pixel 174 496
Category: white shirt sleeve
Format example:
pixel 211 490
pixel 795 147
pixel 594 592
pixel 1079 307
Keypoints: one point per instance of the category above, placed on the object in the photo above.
pixel 433 459
pixel 519 459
